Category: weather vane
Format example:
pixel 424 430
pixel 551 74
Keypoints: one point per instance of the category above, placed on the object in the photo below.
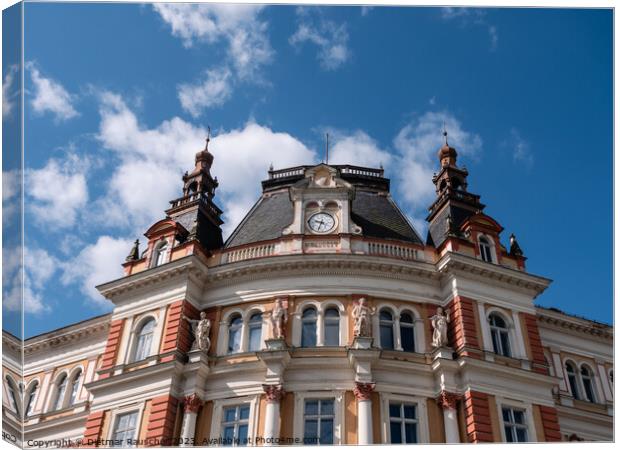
pixel 445 132
pixel 208 136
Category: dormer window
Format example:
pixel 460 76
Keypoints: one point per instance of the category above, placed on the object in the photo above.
pixel 159 253
pixel 485 249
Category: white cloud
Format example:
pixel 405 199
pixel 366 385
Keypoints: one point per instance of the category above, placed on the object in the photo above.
pixel 521 152
pixel 211 92
pixel 417 144
pixel 95 264
pixel 50 96
pixel 11 182
pixel 472 16
pixel 39 265
pixel 238 25
pixel 58 191
pixel 331 39
pixel 364 10
pixel 357 149
pixel 7 91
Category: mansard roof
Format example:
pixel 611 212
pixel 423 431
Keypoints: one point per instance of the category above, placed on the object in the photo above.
pixel 373 208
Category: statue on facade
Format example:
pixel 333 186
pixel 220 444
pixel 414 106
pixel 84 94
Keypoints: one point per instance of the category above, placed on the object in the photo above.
pixel 440 323
pixel 361 317
pixel 201 329
pixel 278 318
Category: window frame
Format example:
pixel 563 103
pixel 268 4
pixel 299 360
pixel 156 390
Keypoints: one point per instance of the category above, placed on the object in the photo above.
pixel 32 394
pixel 513 425
pixel 331 321
pixel 403 421
pixel 238 329
pixel 592 378
pixel 116 412
pixel 321 307
pixel 309 320
pixel 162 244
pixel 12 389
pixel 75 385
pixel 490 245
pixel 509 330
pixel 58 398
pixel 319 417
pixel 259 324
pixel 135 338
pixel 236 423
pixel 385 398
pixel 578 395
pixel 339 412
pixel 218 410
pixel 383 324
pixel 501 402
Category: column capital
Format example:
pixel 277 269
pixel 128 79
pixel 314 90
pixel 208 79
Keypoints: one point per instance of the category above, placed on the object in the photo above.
pixel 274 392
pixel 191 403
pixel 448 400
pixel 363 391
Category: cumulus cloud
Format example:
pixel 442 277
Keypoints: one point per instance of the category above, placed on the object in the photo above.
pixel 238 25
pixel 58 191
pixel 37 269
pixel 520 148
pixel 50 96
pixel 213 91
pixel 95 264
pixel 8 91
pixel 331 39
pixel 11 190
pixel 358 149
pixel 472 16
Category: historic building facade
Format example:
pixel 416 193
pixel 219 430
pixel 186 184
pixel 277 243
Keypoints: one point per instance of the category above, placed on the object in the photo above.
pixel 324 317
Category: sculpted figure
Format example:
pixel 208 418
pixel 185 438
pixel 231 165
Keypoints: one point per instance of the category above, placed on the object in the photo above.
pixel 440 328
pixel 361 316
pixel 279 318
pixel 201 329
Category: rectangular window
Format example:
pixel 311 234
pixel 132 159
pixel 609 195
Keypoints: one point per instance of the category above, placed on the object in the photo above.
pixel 125 430
pixel 403 423
pixel 515 427
pixel 235 421
pixel 319 422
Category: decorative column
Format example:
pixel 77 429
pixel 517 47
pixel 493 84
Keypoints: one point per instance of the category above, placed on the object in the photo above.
pixel 447 401
pixel 363 392
pixel 191 405
pixel 274 393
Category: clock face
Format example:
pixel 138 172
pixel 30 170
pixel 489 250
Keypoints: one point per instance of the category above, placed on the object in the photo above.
pixel 321 222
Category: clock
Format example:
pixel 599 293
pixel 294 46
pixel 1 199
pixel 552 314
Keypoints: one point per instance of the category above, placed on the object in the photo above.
pixel 321 222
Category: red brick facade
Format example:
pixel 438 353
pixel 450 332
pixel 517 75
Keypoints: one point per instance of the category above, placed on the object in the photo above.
pixel 177 334
pixel 550 423
pixel 94 427
pixel 111 350
pixel 536 348
pixel 160 427
pixel 462 333
pixel 477 417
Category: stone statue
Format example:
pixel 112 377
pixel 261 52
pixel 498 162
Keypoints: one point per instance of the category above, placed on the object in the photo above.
pixel 440 328
pixel 361 316
pixel 279 317
pixel 201 329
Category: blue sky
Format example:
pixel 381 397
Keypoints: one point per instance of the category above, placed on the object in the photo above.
pixel 119 96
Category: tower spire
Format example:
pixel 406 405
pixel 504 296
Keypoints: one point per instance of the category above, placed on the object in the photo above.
pixel 208 137
pixel 326 148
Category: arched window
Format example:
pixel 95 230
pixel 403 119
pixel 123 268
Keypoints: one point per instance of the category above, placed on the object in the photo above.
pixel 386 329
pixel 308 327
pixel 499 334
pixel 485 249
pixel 61 388
pixel 234 333
pixel 406 332
pixel 144 339
pixel 159 253
pixel 587 378
pixel 75 384
pixel 13 398
pixel 255 327
pixel 571 373
pixel 32 393
pixel 331 322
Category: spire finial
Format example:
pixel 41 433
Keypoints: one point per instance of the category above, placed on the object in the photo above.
pixel 208 137
pixel 326 148
pixel 445 132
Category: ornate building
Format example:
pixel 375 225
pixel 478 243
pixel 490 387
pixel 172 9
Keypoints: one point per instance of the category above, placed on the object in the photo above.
pixel 324 317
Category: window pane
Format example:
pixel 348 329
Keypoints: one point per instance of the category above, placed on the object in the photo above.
pixel 587 384
pixel 411 433
pixel 308 334
pixel 519 416
pixel 332 334
pixel 406 318
pixel 394 410
pixel 312 408
pixel 255 338
pixel 327 431
pixel 228 435
pixel 505 344
pixel 409 411
pixel 395 433
pixel 309 313
pixel 506 415
pixel 521 435
pixel 243 435
pixel 496 343
pixel 327 407
pixel 508 432
pixel 244 412
pixel 229 414
pixel 385 315
pixel 310 431
pixel 387 337
pixel 332 313
pixel 234 340
pixel 572 380
pixel 406 338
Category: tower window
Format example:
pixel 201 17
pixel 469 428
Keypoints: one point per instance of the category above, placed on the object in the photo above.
pixel 332 327
pixel 499 335
pixel 587 378
pixel 234 334
pixel 159 254
pixel 485 249
pixel 386 329
pixel 144 340
pixel 308 327
pixel 406 332
pixel 255 326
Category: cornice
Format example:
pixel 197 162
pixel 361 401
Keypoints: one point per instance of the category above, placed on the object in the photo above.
pixel 575 324
pixel 70 335
pixel 454 262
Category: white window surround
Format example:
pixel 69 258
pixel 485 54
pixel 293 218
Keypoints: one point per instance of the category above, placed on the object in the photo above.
pixel 418 326
pixel 218 410
pixel 222 346
pixel 11 387
pixel 339 410
pixel 53 388
pixel 321 307
pixel 420 402
pixel 138 408
pixel 136 326
pixel 578 364
pixel 35 400
pixel 491 244
pixel 515 334
pixel 153 256
pixel 529 416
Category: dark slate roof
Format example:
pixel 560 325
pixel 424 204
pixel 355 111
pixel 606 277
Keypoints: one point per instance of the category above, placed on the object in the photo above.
pixel 375 212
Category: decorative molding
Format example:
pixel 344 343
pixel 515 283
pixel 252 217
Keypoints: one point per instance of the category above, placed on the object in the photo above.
pixel 363 391
pixel 274 392
pixel 191 403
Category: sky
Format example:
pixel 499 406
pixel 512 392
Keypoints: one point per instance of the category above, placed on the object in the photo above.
pixel 118 98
